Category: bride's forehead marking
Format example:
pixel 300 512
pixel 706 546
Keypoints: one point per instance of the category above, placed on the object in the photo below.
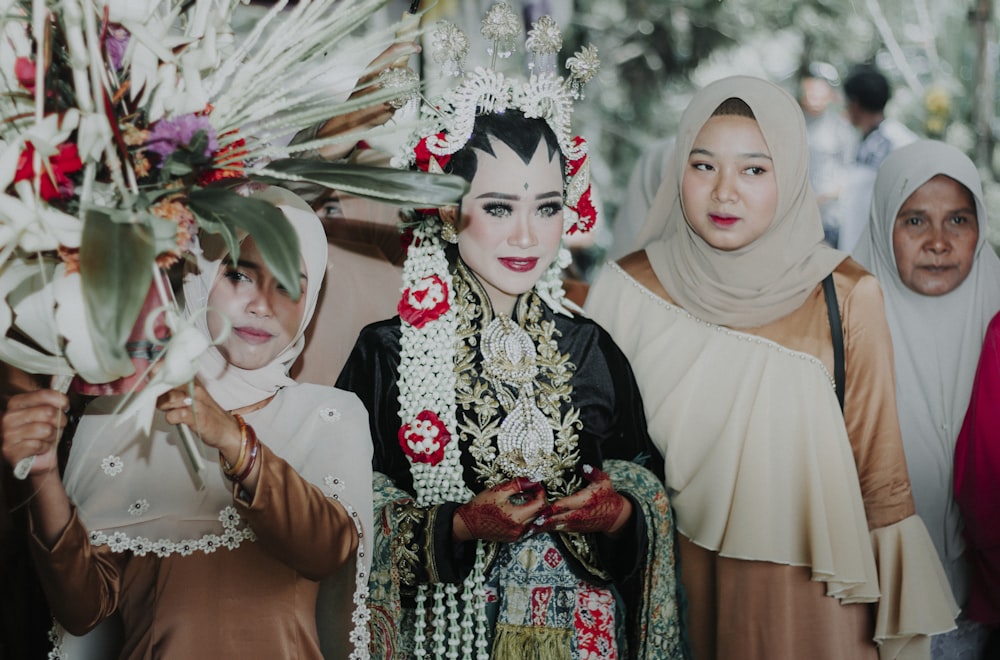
pixel 525 185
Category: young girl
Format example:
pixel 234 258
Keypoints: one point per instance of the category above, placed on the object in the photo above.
pixel 232 570
pixel 505 529
pixel 926 243
pixel 794 512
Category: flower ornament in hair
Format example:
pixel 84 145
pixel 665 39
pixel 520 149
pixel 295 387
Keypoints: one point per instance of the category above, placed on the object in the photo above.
pixel 501 27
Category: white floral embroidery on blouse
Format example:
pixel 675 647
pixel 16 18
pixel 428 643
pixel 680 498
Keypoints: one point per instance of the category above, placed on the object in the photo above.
pixel 138 507
pixel 112 465
pixel 231 537
pixel 329 415
pixel 335 485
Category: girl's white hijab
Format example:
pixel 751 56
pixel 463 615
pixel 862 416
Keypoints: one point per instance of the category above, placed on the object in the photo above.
pixel 230 386
pixel 936 340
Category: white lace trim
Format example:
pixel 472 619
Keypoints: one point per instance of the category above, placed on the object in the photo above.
pixel 360 635
pixel 231 537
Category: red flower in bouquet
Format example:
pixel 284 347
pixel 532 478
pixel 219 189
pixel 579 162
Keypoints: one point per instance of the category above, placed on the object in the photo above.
pixel 424 302
pixel 425 438
pixel 55 184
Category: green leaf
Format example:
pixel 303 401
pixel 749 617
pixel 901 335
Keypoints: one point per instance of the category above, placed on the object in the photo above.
pixel 223 212
pixel 399 187
pixel 116 267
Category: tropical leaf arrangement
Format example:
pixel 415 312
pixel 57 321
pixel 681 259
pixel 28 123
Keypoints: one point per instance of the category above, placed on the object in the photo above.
pixel 125 126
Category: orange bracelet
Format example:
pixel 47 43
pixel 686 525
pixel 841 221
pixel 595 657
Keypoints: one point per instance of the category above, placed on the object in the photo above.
pixel 254 448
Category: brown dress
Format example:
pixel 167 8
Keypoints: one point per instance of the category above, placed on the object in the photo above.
pixel 759 586
pixel 255 601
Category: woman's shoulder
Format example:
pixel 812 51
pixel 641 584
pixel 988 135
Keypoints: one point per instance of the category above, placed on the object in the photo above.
pixel 854 282
pixel 380 334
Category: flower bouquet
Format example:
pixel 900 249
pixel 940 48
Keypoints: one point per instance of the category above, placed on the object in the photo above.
pixel 126 125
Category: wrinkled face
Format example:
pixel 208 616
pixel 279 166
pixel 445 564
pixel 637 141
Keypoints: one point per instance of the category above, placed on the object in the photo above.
pixel 512 221
pixel 729 191
pixel 263 315
pixel 934 236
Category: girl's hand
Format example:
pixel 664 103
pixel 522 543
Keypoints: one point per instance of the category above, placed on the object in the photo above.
pixel 596 508
pixel 502 513
pixel 31 426
pixel 193 406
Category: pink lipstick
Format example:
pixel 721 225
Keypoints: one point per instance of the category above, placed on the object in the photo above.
pixel 519 265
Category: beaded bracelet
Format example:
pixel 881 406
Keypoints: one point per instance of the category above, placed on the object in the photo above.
pixel 236 468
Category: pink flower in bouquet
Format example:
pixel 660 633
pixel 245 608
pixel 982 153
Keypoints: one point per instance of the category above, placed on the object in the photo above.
pixel 425 438
pixel 55 184
pixel 24 69
pixel 424 302
pixel 171 134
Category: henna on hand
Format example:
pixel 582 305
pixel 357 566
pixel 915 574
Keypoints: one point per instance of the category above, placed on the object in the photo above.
pixel 596 508
pixel 500 514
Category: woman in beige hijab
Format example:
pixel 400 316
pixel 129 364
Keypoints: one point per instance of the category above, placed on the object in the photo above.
pixel 798 536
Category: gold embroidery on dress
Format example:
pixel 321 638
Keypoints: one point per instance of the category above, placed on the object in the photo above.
pixel 404 549
pixel 486 400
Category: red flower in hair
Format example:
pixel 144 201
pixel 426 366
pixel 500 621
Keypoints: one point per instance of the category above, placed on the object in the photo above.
pixel 424 302
pixel 574 165
pixel 588 214
pixel 424 155
pixel 584 206
pixel 54 182
pixel 425 438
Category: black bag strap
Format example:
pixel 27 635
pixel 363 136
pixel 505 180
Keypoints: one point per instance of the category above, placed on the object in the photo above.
pixel 837 333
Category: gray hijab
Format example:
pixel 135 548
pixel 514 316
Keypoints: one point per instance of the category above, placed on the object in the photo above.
pixel 936 339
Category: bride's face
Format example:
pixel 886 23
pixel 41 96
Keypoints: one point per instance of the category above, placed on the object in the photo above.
pixel 512 221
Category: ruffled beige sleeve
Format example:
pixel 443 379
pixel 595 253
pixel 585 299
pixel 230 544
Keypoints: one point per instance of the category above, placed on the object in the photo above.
pixel 916 600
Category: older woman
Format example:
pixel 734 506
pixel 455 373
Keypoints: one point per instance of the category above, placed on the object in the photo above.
pixel 926 244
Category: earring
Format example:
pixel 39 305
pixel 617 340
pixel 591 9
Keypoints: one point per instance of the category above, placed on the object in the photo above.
pixel 448 233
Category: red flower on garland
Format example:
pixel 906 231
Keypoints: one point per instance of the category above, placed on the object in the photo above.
pixel 425 438
pixel 424 302
pixel 54 182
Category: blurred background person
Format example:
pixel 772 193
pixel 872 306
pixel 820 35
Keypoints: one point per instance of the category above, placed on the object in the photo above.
pixel 867 92
pixel 832 142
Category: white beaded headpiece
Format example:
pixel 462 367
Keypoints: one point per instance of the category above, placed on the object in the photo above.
pixel 544 95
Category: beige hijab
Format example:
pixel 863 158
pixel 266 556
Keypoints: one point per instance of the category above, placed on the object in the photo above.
pixel 936 340
pixel 772 276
